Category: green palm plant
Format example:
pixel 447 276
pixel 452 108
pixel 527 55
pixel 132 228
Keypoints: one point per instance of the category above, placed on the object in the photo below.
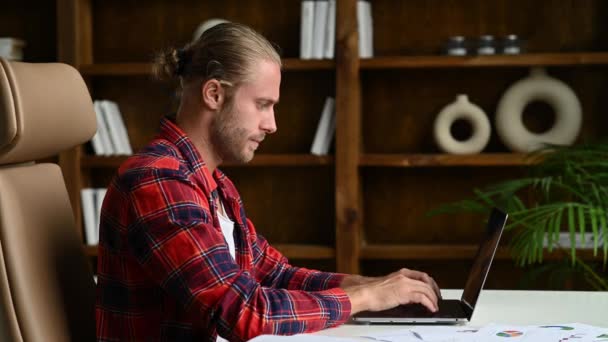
pixel 566 189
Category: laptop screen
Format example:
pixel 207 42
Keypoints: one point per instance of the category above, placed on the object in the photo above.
pixel 483 259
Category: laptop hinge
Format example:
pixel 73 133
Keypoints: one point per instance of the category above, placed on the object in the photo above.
pixel 467 308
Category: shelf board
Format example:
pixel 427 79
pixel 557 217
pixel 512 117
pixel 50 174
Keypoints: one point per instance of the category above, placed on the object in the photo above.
pixel 299 251
pixel 144 69
pixel 523 60
pixel 292 251
pixel 91 162
pixel 295 64
pixel 287 160
pixel 425 160
pixel 389 62
pixel 450 252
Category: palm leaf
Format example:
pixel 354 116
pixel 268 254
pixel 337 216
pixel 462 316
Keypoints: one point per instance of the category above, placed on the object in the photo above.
pixel 570 181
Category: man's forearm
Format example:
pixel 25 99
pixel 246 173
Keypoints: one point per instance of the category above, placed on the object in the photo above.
pixel 355 279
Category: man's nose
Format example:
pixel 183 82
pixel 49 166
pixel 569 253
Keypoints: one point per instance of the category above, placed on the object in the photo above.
pixel 269 124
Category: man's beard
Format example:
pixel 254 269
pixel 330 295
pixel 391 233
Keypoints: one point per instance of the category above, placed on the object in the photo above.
pixel 228 139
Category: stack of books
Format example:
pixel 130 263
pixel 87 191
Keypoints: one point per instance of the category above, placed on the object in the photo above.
pixel 318 29
pixel 111 137
pixel 11 48
pixel 92 199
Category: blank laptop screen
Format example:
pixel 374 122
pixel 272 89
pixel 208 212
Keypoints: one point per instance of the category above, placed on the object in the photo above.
pixel 483 259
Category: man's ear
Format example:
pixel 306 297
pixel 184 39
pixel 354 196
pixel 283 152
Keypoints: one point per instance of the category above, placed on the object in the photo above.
pixel 213 94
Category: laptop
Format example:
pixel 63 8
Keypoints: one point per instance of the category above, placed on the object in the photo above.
pixel 451 311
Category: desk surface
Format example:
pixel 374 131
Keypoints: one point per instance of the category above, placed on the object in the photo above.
pixel 516 307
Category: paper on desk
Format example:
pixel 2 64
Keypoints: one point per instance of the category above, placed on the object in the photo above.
pixel 426 333
pixel 496 332
pixel 301 337
pixel 549 333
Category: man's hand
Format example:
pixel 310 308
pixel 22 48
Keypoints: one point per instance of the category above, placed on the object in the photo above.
pixel 402 287
pixel 413 274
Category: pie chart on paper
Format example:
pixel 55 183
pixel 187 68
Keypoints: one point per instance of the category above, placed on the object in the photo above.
pixel 560 327
pixel 509 333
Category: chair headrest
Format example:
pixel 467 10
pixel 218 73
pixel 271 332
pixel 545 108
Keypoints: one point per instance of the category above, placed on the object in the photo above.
pixel 45 108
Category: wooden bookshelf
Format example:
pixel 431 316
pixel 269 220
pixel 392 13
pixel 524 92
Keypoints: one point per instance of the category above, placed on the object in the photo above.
pixel 32 22
pixel 385 171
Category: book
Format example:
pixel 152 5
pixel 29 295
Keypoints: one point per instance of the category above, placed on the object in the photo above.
pixel 331 131
pixel 325 129
pixel 330 30
pixel 365 24
pixel 11 48
pixel 563 239
pixel 104 129
pixel 306 28
pixel 101 140
pixel 369 21
pixel 87 197
pixel 117 128
pixel 320 22
pixel 99 147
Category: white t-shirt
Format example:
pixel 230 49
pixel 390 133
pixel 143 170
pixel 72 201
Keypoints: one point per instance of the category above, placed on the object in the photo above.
pixel 227 229
pixel 227 226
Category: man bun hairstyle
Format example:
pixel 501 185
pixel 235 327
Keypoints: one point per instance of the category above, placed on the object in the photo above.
pixel 226 52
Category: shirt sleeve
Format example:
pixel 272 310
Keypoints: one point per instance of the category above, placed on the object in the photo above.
pixel 275 270
pixel 173 238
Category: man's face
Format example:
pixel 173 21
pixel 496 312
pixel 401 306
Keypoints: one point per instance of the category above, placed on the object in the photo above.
pixel 243 122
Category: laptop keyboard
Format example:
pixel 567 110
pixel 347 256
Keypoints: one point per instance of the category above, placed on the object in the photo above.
pixel 447 309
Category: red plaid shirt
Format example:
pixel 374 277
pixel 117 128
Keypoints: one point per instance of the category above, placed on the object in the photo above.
pixel 164 269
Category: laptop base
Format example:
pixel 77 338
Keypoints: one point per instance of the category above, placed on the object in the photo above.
pixel 450 312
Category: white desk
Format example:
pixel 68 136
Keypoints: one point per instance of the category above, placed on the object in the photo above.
pixel 515 307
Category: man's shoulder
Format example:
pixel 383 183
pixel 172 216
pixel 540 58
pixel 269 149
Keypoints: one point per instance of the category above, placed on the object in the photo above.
pixel 158 156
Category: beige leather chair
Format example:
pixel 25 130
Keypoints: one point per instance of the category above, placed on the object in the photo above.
pixel 47 291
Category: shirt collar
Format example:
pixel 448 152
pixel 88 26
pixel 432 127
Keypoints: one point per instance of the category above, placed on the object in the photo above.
pixel 174 134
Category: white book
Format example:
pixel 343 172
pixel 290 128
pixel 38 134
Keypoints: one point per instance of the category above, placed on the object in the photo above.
pixel 331 130
pixel 330 29
pixel 98 145
pixel 369 29
pixel 364 24
pixel 563 240
pixel 318 35
pixel 118 130
pixel 87 197
pixel 103 128
pixel 100 194
pixel 101 139
pixel 322 139
pixel 11 48
pixel 306 28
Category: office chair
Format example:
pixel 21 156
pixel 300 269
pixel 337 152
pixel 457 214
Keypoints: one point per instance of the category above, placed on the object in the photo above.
pixel 47 291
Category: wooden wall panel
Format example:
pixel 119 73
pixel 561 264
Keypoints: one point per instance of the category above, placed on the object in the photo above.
pixel 421 27
pixel 129 31
pixel 288 204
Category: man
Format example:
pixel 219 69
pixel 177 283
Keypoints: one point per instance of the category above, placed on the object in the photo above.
pixel 178 259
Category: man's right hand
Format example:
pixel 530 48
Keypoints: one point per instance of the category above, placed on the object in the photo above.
pixel 391 291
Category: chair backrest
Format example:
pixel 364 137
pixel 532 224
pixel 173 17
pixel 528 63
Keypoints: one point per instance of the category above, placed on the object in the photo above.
pixel 47 291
